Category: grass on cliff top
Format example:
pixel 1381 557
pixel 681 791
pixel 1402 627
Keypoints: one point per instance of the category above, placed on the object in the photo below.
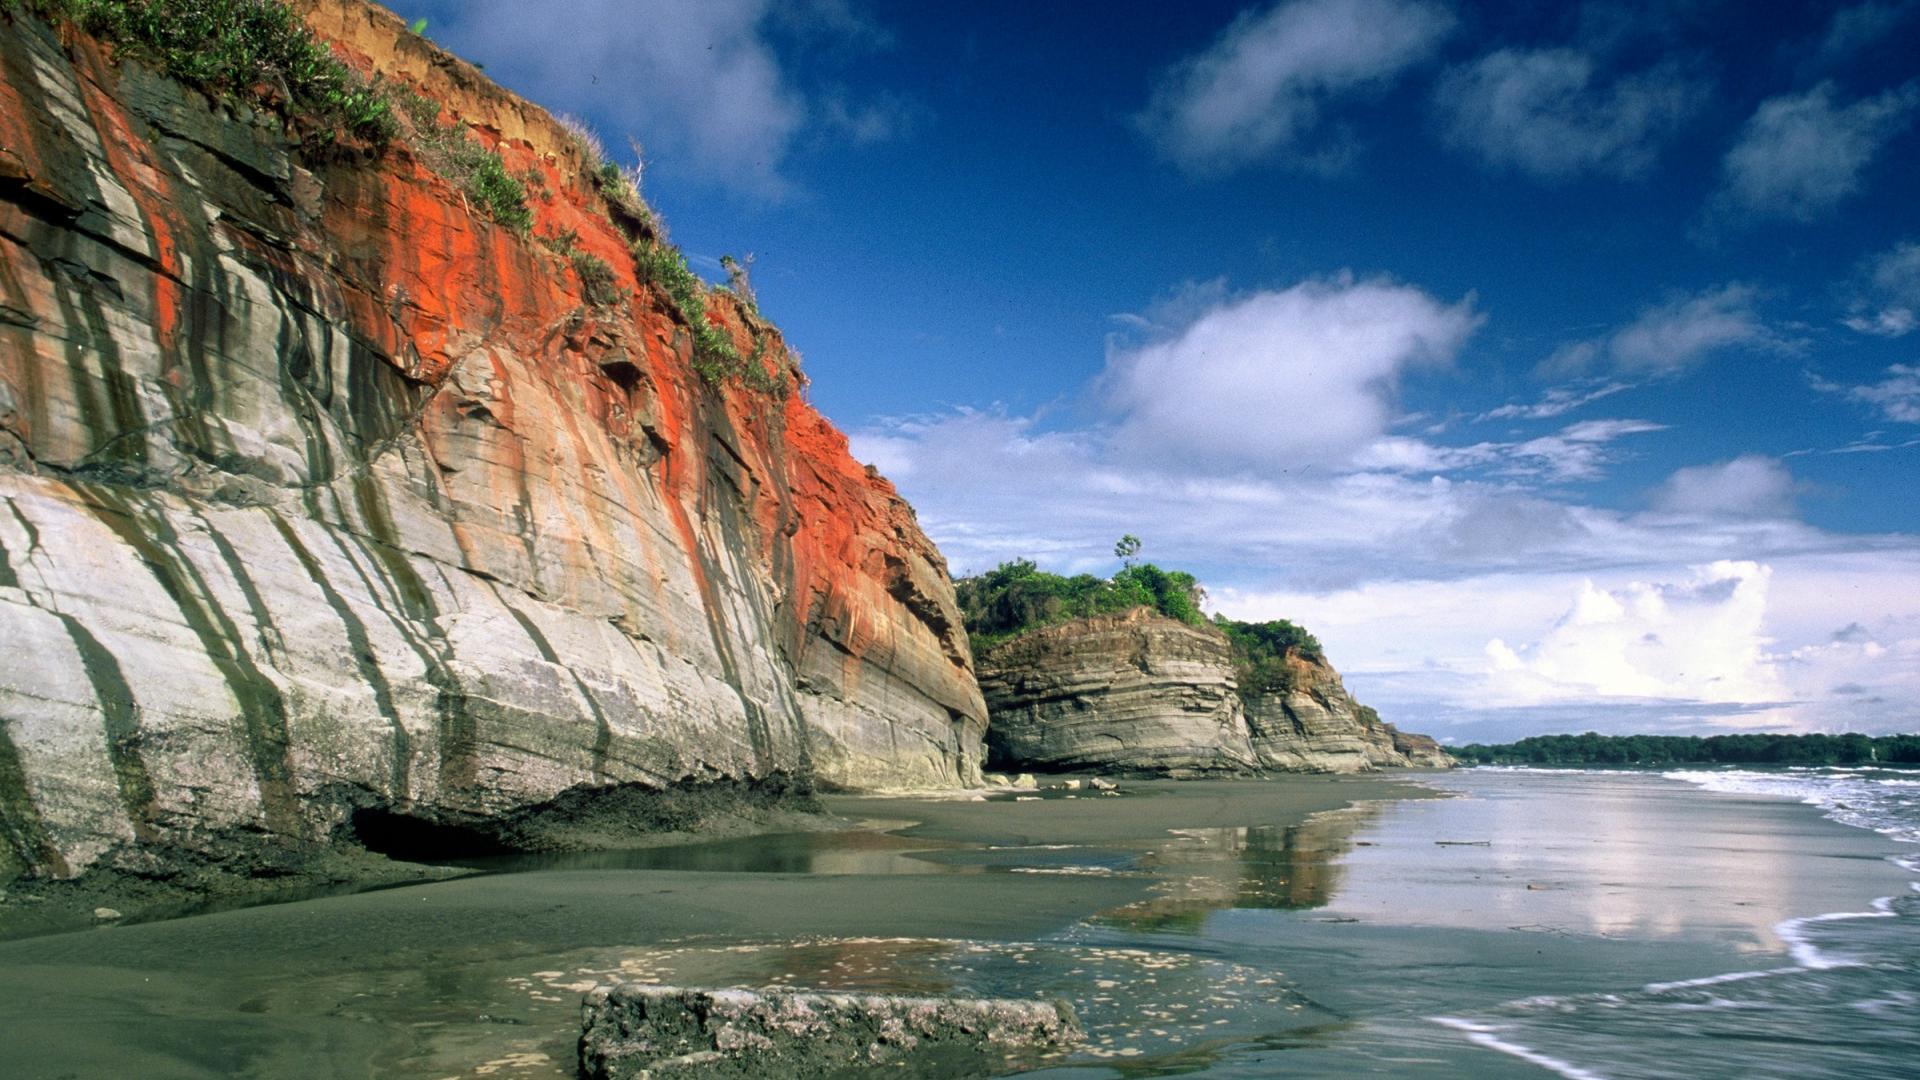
pixel 1018 596
pixel 451 151
pixel 257 51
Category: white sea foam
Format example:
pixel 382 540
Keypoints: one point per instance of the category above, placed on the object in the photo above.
pixel 1869 797
pixel 1484 1035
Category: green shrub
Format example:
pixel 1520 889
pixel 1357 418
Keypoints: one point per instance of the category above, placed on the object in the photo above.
pixel 1260 651
pixel 596 278
pixel 1018 596
pixel 258 51
pixel 481 175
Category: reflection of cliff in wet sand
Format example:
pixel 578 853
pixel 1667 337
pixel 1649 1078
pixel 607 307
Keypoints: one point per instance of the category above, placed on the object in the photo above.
pixel 1275 867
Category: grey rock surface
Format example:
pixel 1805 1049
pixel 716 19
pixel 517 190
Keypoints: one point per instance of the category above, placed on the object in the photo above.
pixel 1139 692
pixel 321 493
pixel 1134 691
pixel 633 1031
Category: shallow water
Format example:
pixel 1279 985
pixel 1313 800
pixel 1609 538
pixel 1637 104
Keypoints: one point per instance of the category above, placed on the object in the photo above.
pixel 1531 921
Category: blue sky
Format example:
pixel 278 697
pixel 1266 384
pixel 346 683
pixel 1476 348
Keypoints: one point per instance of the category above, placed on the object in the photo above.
pixel 1559 366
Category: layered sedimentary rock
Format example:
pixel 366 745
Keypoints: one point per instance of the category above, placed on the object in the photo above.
pixel 1311 724
pixel 320 492
pixel 1142 692
pixel 1136 691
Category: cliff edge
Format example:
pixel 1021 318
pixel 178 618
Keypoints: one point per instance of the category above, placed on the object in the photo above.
pixel 330 502
pixel 1139 692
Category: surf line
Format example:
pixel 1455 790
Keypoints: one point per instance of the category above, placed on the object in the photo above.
pixel 1483 1034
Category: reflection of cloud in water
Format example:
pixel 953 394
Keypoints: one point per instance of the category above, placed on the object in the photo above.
pixel 1623 856
pixel 1273 867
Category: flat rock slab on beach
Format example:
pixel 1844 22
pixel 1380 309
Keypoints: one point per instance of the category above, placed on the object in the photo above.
pixel 637 1031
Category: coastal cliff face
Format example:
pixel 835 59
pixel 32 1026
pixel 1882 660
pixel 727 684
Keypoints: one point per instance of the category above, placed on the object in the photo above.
pixel 1131 691
pixel 1142 692
pixel 1314 725
pixel 320 493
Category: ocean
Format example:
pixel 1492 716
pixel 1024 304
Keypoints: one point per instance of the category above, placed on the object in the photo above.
pixel 1847 1004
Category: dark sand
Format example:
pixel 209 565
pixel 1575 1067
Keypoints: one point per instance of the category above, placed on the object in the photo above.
pixel 417 981
pixel 1196 925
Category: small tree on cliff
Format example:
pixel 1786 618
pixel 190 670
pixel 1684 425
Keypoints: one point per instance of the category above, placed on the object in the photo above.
pixel 1126 549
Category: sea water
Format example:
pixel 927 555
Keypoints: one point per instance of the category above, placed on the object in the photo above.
pixel 1847 1004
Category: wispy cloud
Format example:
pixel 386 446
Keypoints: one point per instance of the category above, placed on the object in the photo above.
pixel 1801 155
pixel 1259 90
pixel 1862 26
pixel 1549 113
pixel 1896 397
pixel 1673 335
pixel 702 83
pixel 1556 401
pixel 1889 300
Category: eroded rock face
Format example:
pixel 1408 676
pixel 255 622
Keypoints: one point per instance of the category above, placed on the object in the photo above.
pixel 636 1031
pixel 1314 725
pixel 1141 692
pixel 319 490
pixel 1136 691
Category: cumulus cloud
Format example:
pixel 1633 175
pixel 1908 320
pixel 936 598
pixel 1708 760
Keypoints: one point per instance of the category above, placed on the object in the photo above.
pixel 1281 378
pixel 1259 90
pixel 1801 155
pixel 1889 304
pixel 1418 648
pixel 1701 639
pixel 1751 485
pixel 1672 336
pixel 1896 397
pixel 700 82
pixel 1549 113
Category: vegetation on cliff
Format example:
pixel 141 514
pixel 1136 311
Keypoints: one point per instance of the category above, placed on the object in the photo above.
pixel 1595 749
pixel 255 50
pixel 1018 596
pixel 1260 651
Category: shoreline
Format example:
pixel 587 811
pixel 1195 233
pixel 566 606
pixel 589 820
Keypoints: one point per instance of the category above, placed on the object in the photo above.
pixel 413 981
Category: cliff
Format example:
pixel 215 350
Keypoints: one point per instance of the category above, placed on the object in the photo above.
pixel 1135 691
pixel 1140 692
pixel 1311 724
pixel 325 499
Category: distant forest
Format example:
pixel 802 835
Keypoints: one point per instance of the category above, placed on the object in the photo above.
pixel 1594 749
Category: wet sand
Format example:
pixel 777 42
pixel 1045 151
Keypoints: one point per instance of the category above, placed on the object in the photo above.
pixel 418 981
pixel 1236 928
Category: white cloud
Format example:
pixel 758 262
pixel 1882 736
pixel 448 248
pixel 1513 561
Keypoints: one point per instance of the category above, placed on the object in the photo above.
pixel 1673 335
pixel 1800 155
pixel 1545 112
pixel 1751 485
pixel 1890 302
pixel 1897 397
pixel 1683 331
pixel 1556 401
pixel 1259 89
pixel 1418 648
pixel 1281 379
pixel 1577 451
pixel 700 82
pixel 1696 640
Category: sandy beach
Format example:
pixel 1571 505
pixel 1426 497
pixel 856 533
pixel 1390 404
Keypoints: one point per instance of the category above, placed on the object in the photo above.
pixel 1196 924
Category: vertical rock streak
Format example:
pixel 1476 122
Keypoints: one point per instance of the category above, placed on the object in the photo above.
pixel 342 496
